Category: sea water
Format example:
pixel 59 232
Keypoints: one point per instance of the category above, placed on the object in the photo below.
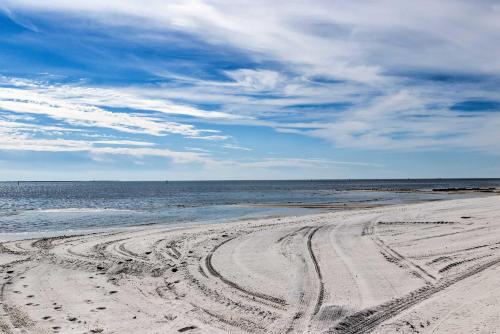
pixel 58 206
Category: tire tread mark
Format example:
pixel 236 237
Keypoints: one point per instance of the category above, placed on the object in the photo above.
pixel 321 292
pixel 366 320
pixel 215 273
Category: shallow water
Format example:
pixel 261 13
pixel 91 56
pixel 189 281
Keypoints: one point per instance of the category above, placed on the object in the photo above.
pixel 54 206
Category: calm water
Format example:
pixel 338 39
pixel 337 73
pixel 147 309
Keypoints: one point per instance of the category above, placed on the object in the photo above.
pixel 54 206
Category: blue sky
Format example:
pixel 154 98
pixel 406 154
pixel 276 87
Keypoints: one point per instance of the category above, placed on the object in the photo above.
pixel 250 90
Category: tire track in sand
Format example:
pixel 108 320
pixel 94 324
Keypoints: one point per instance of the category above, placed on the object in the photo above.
pixel 367 320
pixel 208 264
pixel 321 292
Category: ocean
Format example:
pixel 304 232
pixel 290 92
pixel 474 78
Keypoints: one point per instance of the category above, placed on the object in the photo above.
pixel 58 206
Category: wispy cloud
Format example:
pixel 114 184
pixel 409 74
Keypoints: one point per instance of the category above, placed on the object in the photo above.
pixel 386 75
pixel 100 149
pixel 12 141
pixel 297 163
pixel 348 40
pixel 25 24
pixel 236 147
pixel 84 107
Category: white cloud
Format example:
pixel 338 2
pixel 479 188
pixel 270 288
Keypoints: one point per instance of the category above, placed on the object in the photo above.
pixel 178 157
pixel 210 137
pixel 363 54
pixel 123 142
pixel 285 162
pixel 30 127
pixel 73 106
pixel 28 25
pixel 255 80
pixel 12 141
pixel 236 147
pixel 131 98
pixel 197 149
pixel 100 150
pixel 347 40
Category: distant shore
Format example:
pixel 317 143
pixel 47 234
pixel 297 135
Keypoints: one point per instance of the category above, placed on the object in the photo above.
pixel 474 192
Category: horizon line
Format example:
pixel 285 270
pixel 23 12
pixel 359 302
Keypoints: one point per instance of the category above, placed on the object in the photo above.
pixel 259 180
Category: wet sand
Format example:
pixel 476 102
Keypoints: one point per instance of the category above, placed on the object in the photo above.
pixel 428 268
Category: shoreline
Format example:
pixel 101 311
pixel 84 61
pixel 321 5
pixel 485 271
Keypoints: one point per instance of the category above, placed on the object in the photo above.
pixel 321 207
pixel 378 270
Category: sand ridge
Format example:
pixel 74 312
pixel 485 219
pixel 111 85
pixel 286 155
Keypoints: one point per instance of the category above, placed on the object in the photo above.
pixel 426 268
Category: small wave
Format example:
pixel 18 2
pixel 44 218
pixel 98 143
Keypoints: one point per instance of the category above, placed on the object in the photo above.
pixel 82 210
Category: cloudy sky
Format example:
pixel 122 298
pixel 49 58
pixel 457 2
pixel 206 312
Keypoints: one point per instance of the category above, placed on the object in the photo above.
pixel 129 89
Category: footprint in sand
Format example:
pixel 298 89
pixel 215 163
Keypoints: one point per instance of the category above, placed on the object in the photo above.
pixel 47 317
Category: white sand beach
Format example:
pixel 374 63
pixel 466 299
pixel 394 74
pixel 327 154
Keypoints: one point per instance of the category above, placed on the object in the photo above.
pixel 419 268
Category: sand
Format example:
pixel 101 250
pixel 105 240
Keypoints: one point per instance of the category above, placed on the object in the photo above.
pixel 419 268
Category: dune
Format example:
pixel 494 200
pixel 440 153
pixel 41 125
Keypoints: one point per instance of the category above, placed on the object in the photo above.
pixel 426 268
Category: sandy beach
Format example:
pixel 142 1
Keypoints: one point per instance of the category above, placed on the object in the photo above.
pixel 419 268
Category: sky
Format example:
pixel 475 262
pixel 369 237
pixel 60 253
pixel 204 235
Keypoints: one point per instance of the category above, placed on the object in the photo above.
pixel 195 90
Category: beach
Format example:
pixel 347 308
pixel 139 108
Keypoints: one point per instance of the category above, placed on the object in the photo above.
pixel 249 167
pixel 416 268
